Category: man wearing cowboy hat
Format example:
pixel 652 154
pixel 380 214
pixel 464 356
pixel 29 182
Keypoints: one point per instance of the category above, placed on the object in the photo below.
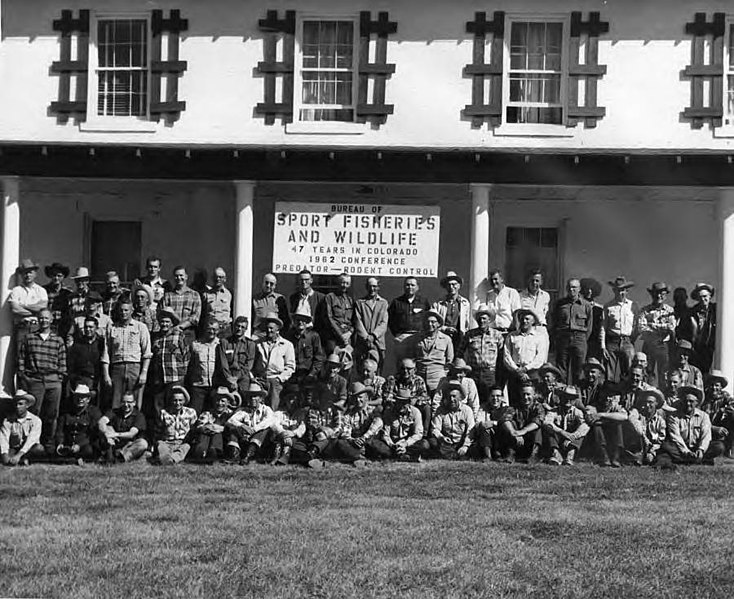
pixel 370 323
pixel 455 310
pixel 572 327
pixel 208 367
pixel 77 300
pixel 339 315
pixel 458 371
pixel 405 317
pixel 175 428
pixel 618 328
pixel 564 429
pixel 27 298
pixel 550 387
pixel 217 302
pixel 594 383
pixel 170 355
pixel 209 428
pixel 266 302
pixel 185 302
pixel 278 357
pixel 700 327
pixel 656 326
pixel 359 424
pixel 434 351
pixel 93 309
pixel 123 432
pixel 482 348
pixel 41 369
pixel 406 378
pixel 691 374
pixel 402 434
pixel 143 297
pixel 58 297
pixel 518 432
pixel 689 439
pixel 648 427
pixel 331 386
pixel 525 350
pixel 248 428
pixel 77 431
pixel 289 424
pixel 451 425
pixel 20 433
pixel 718 404
pixel 307 347
pixel 308 301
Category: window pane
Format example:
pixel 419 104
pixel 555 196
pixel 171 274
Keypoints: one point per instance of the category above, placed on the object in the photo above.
pixel 535 114
pixel 536 46
pixel 535 88
pixel 532 237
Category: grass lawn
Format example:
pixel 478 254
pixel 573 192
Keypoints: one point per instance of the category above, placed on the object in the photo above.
pixel 402 530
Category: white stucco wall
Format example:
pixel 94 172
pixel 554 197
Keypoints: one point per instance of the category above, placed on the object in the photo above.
pixel 643 91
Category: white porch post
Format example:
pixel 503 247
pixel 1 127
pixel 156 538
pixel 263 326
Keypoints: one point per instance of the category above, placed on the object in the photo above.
pixel 725 293
pixel 245 191
pixel 479 242
pixel 9 258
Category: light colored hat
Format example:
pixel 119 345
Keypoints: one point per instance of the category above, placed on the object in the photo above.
pixel 82 389
pixel 168 312
pixel 717 375
pixel 621 282
pixel 233 398
pixel 522 312
pixel 26 264
pixel 255 390
pixel 182 390
pixel 334 359
pixel 593 363
pixel 684 344
pixel 81 273
pixel 403 394
pixel 358 389
pixel 21 394
pixel 272 317
pixel 658 286
pixel 147 288
pixel 435 314
pixel 548 367
pixel 485 309
pixel 303 314
pixel 700 287
pixel 652 392
pixel 460 364
pixel 451 276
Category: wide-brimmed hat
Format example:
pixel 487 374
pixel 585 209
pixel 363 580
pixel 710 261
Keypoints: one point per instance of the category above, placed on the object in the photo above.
pixel 82 389
pixel 548 367
pixel 334 359
pixel 168 312
pixel 621 282
pixel 451 276
pixel 690 390
pixel 651 392
pixel 570 391
pixel 460 364
pixel 255 390
pixel 454 384
pixel 658 286
pixel 717 375
pixel 358 389
pixel 301 314
pixel 403 394
pixel 233 398
pixel 522 313
pixel 271 317
pixel 593 363
pixel 93 297
pixel 591 283
pixel 485 309
pixel 700 287
pixel 21 394
pixel 139 286
pixel 26 264
pixel 56 267
pixel 81 273
pixel 684 345
pixel 435 314
pixel 182 390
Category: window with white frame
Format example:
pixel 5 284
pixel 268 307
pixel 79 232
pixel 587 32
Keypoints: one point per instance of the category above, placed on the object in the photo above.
pixel 325 81
pixel 121 65
pixel 534 90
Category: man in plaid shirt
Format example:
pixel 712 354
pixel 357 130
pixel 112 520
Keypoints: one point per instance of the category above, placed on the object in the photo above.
pixel 169 362
pixel 185 302
pixel 41 370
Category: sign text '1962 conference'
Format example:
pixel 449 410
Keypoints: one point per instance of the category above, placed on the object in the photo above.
pixel 361 239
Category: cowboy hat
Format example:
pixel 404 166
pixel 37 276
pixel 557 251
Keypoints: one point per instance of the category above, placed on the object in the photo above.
pixel 717 375
pixel 454 384
pixel 182 390
pixel 548 367
pixel 21 394
pixel 271 317
pixel 82 389
pixel 484 309
pixel 26 264
pixel 651 392
pixel 138 286
pixel 81 273
pixel 570 391
pixel 621 282
pixel 684 345
pixel 435 314
pixel 690 390
pixel 358 389
pixel 56 267
pixel 254 390
pixel 334 359
pixel 403 394
pixel 700 287
pixel 302 314
pixel 460 364
pixel 234 400
pixel 658 286
pixel 451 276
pixel 168 312
pixel 522 313
pixel 93 297
pixel 594 363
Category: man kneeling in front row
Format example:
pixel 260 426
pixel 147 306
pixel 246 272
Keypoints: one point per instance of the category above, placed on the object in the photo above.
pixel 20 434
pixel 450 436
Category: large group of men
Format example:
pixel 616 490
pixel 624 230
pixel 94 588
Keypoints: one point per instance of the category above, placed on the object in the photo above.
pixel 169 373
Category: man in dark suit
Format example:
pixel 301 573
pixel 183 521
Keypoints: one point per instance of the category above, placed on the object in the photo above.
pixel 308 301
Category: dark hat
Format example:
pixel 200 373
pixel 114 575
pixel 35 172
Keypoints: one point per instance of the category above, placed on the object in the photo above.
pixel 168 312
pixel 94 297
pixel 25 265
pixel 717 375
pixel 684 345
pixel 658 286
pixel 460 364
pixel 700 287
pixel 621 282
pixel 548 367
pixel 593 284
pixel 592 363
pixel 451 276
pixel 56 267
pixel 652 392
pixel 435 314
pixel 690 390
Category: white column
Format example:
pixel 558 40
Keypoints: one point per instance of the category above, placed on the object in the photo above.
pixel 9 258
pixel 245 191
pixel 479 242
pixel 724 297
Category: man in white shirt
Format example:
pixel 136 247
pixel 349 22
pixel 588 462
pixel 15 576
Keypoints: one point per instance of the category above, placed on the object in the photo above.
pixel 535 298
pixel 617 330
pixel 28 298
pixel 525 352
pixel 502 301
pixel 278 356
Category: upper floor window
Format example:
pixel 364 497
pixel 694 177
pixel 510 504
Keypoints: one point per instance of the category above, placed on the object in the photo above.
pixel 326 71
pixel 729 74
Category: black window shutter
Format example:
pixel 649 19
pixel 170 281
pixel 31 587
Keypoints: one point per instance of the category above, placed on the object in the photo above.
pixel 69 26
pixel 169 107
pixel 274 29
pixel 489 109
pixel 374 109
pixel 591 71
pixel 701 70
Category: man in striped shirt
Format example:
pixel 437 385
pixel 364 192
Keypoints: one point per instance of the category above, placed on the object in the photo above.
pixel 185 302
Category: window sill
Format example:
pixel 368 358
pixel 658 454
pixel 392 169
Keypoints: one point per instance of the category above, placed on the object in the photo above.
pixel 518 130
pixel 119 126
pixel 325 128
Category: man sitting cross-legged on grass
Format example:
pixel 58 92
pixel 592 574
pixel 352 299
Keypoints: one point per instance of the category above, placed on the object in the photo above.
pixel 209 428
pixel 122 432
pixel 689 433
pixel 564 429
pixel 247 429
pixel 289 422
pixel 322 421
pixel 452 424
pixel 605 419
pixel 20 434
pixel 175 428
pixel 77 430
pixel 485 429
pixel 359 425
pixel 401 437
pixel 518 433
pixel 648 427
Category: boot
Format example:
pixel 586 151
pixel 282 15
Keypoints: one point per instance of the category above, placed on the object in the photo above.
pixel 285 457
pixel 534 457
pixel 510 457
pixel 555 458
pixel 249 455
pixel 277 452
pixel 232 455
pixel 313 461
pixel 569 457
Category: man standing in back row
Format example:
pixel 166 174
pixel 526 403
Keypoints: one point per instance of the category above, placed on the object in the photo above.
pixel 572 321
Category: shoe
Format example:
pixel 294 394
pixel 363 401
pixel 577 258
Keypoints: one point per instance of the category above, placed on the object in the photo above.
pixel 417 459
pixel 568 461
pixel 615 464
pixel 285 457
pixel 79 462
pixel 510 457
pixel 403 457
pixel 277 452
pixel 119 457
pixel 633 457
pixel 315 464
pixel 534 458
pixel 63 451
pixel 360 463
pixel 249 456
pixel 233 455
pixel 556 459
